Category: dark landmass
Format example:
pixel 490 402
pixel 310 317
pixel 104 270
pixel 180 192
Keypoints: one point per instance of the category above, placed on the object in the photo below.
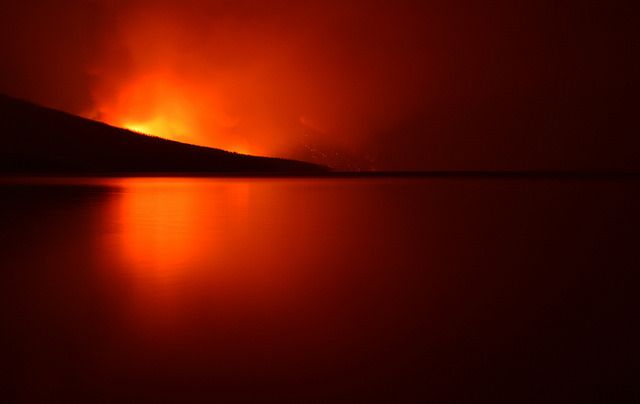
pixel 492 174
pixel 38 140
pixel 35 140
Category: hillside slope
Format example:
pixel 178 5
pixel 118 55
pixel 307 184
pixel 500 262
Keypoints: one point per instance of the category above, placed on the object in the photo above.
pixel 34 139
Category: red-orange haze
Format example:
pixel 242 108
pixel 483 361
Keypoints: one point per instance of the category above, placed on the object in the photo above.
pixel 248 79
pixel 403 84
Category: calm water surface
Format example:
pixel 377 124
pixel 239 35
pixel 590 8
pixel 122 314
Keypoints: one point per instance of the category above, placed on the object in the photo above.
pixel 325 290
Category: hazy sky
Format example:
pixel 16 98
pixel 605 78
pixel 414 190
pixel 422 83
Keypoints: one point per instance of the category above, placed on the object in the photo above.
pixel 356 84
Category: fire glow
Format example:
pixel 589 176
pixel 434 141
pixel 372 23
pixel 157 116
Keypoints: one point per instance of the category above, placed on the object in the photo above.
pixel 154 106
pixel 386 85
pixel 201 75
pixel 160 80
pixel 166 106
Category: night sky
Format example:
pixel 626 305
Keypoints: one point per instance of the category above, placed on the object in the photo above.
pixel 372 84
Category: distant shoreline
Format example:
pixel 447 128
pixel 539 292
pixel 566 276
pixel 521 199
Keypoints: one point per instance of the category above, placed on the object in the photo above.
pixel 435 174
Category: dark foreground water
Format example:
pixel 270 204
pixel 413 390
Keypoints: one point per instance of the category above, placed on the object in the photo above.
pixel 302 290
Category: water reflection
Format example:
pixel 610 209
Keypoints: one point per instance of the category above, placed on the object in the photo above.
pixel 171 242
pixel 168 226
pixel 174 229
pixel 249 255
pixel 244 290
pixel 159 228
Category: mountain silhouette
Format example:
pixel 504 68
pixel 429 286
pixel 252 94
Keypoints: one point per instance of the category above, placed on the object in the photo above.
pixel 35 139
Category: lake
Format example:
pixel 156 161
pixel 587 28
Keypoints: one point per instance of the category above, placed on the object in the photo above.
pixel 319 290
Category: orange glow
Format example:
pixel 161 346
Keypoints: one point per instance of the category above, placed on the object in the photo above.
pixel 159 228
pixel 220 85
pixel 202 74
pixel 233 251
pixel 169 234
pixel 161 105
pixel 153 105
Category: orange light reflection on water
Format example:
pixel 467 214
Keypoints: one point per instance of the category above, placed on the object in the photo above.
pixel 232 260
pixel 159 230
pixel 181 240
